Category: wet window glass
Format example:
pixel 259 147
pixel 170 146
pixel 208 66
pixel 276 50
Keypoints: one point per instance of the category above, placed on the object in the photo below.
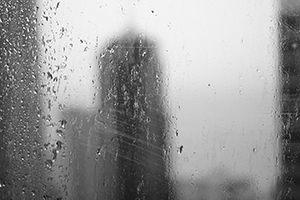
pixel 149 100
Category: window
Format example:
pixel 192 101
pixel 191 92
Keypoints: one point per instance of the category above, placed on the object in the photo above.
pixel 149 100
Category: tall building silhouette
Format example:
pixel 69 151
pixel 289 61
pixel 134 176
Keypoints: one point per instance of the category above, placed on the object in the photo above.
pixel 132 95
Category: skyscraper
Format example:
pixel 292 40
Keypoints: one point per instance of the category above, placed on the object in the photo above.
pixel 132 95
pixel 120 151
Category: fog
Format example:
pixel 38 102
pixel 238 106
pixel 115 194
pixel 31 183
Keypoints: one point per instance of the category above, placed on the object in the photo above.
pixel 220 61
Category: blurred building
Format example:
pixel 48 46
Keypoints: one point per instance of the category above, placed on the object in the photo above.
pixel 290 98
pixel 21 165
pixel 119 152
pixel 219 185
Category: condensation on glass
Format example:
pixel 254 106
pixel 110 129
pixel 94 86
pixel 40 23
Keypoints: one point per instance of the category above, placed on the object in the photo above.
pixel 98 131
pixel 149 99
pixel 21 168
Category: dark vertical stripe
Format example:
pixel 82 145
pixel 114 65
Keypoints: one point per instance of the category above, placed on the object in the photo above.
pixel 290 105
pixel 20 154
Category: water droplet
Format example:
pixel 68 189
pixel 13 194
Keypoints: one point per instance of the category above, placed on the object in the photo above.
pixel 100 151
pixel 148 119
pixel 2 185
pixel 63 123
pixel 180 149
pixel 54 151
pixel 57 5
pixel 59 132
pixel 46 145
pixel 49 163
pixel 49 76
pixel 23 189
pixel 58 145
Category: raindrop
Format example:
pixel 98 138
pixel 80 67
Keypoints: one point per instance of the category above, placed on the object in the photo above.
pixel 100 151
pixel 2 185
pixel 58 145
pixel 63 123
pixel 54 155
pixel 180 149
pixel 49 163
pixel 48 118
pixel 23 189
pixel 46 17
pixel 46 145
pixel 57 5
pixel 59 132
pixel 148 119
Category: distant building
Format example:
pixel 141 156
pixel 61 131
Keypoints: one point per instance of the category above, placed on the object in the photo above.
pixel 119 151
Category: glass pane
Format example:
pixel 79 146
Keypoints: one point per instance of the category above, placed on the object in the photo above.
pixel 149 99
